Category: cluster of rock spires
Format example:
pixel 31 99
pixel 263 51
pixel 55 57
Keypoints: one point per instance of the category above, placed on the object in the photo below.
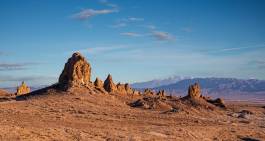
pixel 194 93
pixel 77 73
pixel 22 89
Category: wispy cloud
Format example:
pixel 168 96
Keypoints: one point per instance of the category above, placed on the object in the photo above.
pixel 118 25
pixel 15 66
pixel 152 27
pixel 131 34
pixel 260 64
pixel 126 21
pixel 5 78
pixel 237 48
pixel 107 3
pixel 103 49
pixel 162 36
pixel 10 81
pixel 186 29
pixel 131 19
pixel 135 19
pixel 88 13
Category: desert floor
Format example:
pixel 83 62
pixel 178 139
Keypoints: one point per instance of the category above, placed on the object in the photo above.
pixel 86 116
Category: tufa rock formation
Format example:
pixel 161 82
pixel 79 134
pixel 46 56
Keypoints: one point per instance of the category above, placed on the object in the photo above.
pixel 161 93
pixel 148 92
pixel 194 96
pixel 98 83
pixel 121 88
pixel 128 89
pixel 109 85
pixel 22 89
pixel 76 72
pixel 124 89
pixel 194 91
pixel 136 93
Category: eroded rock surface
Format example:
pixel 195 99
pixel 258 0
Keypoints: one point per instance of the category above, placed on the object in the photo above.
pixel 98 83
pixel 124 89
pixel 218 102
pixel 23 89
pixel 76 72
pixel 109 85
pixel 194 91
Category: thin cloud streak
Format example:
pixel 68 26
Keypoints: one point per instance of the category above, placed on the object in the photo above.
pixel 107 3
pixel 130 34
pixel 237 48
pixel 186 29
pixel 118 25
pixel 260 64
pixel 103 49
pixel 126 21
pixel 15 66
pixel 88 13
pixel 162 36
pixel 25 78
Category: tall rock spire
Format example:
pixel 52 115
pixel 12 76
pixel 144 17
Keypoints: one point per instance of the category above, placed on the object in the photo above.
pixel 76 72
pixel 109 85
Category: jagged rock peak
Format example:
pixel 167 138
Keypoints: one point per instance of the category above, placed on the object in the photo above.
pixel 161 93
pixel 109 85
pixel 76 72
pixel 98 83
pixel 121 88
pixel 128 88
pixel 194 91
pixel 23 89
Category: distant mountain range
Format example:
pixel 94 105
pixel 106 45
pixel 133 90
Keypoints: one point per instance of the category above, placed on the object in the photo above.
pixel 158 82
pixel 229 88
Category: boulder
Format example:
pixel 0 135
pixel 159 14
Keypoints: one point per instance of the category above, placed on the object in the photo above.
pixel 217 102
pixel 22 89
pixel 76 72
pixel 109 85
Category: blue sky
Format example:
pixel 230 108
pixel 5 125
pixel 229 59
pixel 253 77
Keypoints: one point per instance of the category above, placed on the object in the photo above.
pixel 133 40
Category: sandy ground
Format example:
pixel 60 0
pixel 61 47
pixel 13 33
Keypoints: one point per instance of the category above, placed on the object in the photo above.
pixel 85 116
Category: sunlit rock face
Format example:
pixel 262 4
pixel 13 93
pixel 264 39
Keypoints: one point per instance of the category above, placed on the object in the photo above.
pixel 109 85
pixel 76 72
pixel 23 89
pixel 98 83
pixel 194 91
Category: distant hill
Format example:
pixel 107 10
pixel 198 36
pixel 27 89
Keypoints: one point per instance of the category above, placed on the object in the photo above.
pixel 158 82
pixel 229 88
pixel 219 84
